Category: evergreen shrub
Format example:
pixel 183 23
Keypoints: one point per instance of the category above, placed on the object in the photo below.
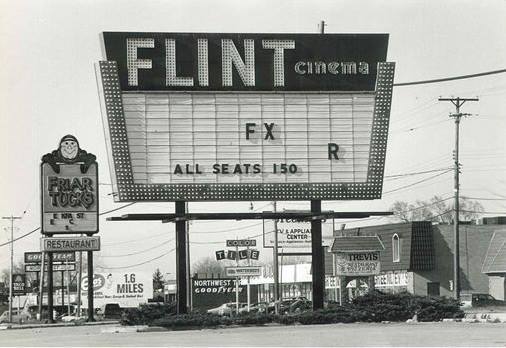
pixel 373 307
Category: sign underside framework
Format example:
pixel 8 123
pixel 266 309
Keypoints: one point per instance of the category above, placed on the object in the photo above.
pixel 230 142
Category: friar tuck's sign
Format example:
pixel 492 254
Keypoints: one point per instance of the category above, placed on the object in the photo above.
pixel 69 183
pixel 262 116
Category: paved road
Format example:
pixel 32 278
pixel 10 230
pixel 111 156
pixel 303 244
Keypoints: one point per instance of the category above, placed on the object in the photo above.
pixel 422 334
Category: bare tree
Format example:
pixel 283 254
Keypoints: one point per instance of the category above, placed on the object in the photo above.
pixel 17 269
pixel 209 266
pixel 436 209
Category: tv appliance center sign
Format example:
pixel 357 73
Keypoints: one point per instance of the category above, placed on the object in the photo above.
pixel 294 235
pixel 198 116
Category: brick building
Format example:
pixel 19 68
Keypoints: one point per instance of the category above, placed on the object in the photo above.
pixel 421 255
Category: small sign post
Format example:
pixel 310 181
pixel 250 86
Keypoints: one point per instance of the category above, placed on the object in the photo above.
pixel 18 284
pixel 243 271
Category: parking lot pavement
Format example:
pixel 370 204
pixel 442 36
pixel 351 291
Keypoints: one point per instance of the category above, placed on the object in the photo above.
pixel 363 334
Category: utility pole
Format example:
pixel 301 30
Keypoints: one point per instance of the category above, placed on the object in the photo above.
pixel 458 102
pixel 322 27
pixel 12 218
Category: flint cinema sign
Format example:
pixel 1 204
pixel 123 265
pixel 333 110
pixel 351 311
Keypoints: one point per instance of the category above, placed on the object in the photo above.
pixel 198 116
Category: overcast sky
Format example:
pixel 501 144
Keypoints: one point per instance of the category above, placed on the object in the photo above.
pixel 49 90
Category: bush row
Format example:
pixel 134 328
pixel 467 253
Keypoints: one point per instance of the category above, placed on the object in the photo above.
pixel 374 307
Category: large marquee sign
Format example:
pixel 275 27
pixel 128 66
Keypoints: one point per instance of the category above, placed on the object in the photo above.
pixel 200 116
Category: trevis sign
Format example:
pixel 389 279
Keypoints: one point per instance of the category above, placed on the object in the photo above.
pixel 358 263
pixel 262 116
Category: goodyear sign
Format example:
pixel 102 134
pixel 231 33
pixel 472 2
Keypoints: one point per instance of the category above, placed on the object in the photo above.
pixel 36 257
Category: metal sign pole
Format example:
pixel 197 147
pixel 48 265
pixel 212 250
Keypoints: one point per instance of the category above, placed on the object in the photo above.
pixel 248 286
pixel 50 287
pixel 281 278
pixel 91 306
pixel 317 258
pixel 181 258
pixel 41 284
pixel 79 279
pixel 188 266
pixel 236 279
pixel 62 290
pixel 68 287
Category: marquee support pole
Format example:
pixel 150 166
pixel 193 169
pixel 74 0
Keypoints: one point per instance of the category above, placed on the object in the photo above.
pixel 318 275
pixel 50 287
pixel 181 258
pixel 62 289
pixel 91 306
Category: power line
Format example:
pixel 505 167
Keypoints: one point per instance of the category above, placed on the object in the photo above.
pixel 418 182
pixel 142 251
pixel 138 264
pixel 416 173
pixel 38 228
pixel 20 237
pixel 436 216
pixel 485 199
pixel 483 212
pixel 461 77
pixel 116 209
pixel 423 206
pixel 229 230
pixel 136 240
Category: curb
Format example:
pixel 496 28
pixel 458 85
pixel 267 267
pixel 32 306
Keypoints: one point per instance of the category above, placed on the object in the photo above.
pixel 38 326
pixel 124 329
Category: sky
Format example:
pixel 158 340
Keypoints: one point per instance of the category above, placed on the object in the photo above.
pixel 49 90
